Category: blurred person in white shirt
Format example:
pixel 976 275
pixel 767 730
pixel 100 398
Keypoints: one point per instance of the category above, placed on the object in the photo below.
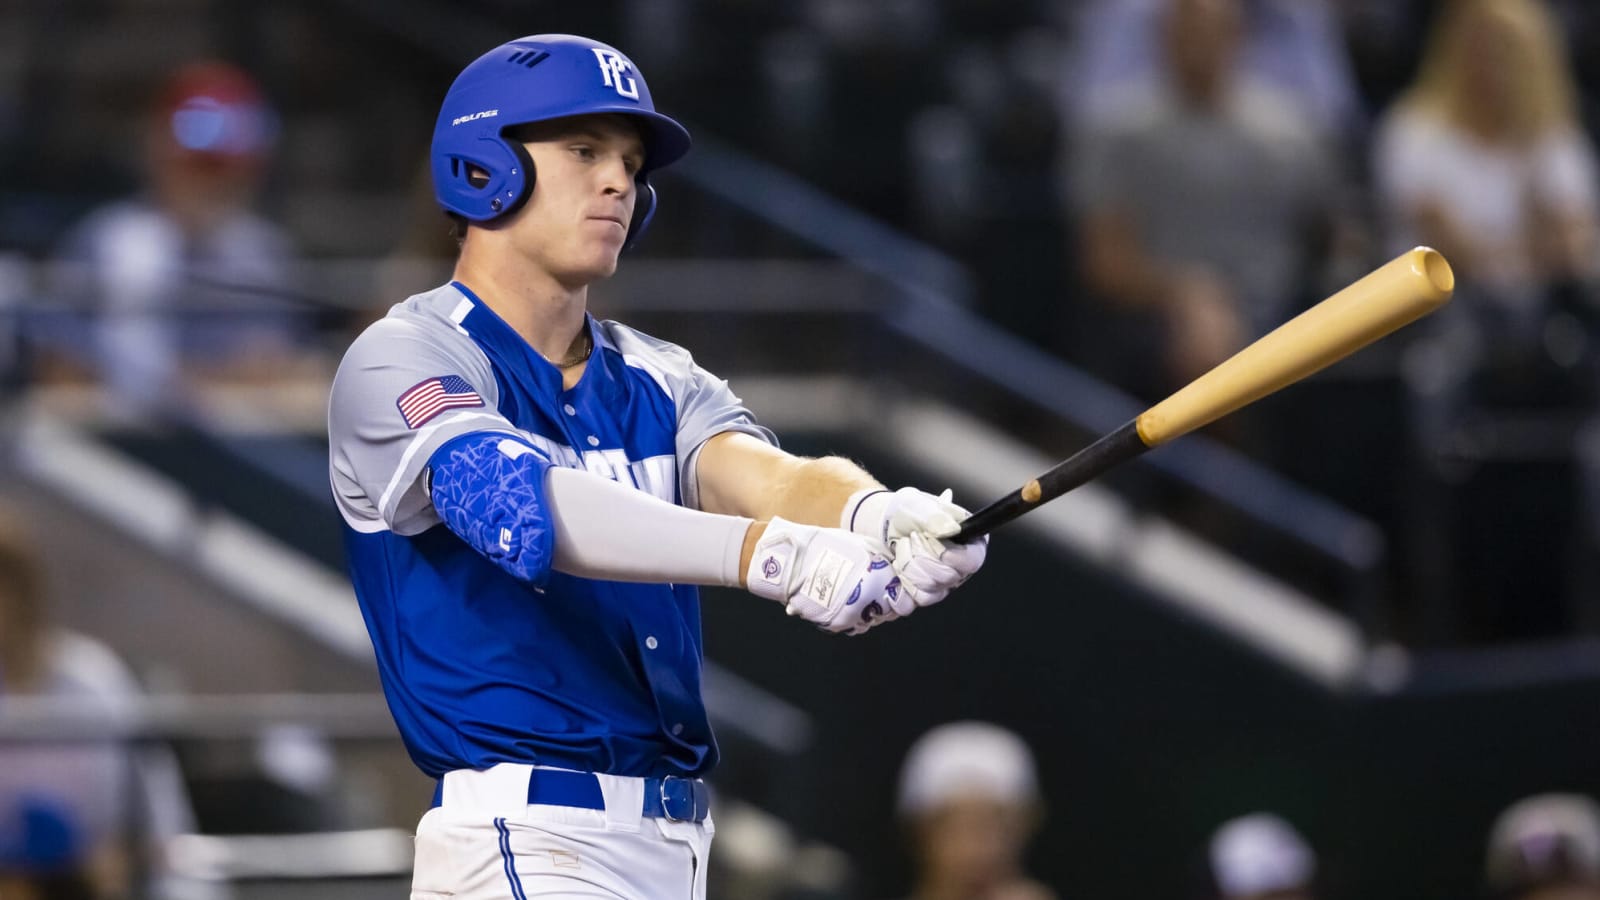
pixel 186 279
pixel 1484 158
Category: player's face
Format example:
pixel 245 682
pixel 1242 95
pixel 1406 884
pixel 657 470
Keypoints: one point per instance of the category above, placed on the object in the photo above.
pixel 576 221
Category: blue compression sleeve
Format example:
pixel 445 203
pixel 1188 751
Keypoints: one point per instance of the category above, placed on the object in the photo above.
pixel 489 490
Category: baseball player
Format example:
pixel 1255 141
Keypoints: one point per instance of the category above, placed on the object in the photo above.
pixel 531 494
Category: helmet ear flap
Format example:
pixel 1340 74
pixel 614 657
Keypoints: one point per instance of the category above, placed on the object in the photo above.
pixel 492 179
pixel 520 186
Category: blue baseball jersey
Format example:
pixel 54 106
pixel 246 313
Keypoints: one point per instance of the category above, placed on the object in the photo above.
pixel 478 666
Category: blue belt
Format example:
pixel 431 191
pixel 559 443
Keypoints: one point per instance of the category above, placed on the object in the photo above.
pixel 674 798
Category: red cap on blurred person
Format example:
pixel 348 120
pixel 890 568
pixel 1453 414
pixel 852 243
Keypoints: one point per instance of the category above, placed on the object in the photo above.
pixel 215 113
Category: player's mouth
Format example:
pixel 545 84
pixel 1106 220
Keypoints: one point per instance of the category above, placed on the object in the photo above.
pixel 617 219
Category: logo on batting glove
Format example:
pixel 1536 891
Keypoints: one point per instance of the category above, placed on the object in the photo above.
pixel 771 569
pixel 854 595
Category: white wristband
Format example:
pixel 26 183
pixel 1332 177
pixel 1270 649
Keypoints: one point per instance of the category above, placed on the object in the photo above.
pixel 864 513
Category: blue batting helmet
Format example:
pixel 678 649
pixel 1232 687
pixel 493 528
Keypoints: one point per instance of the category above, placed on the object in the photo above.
pixel 533 79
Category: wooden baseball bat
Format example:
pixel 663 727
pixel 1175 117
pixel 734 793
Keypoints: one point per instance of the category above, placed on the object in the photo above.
pixel 1395 294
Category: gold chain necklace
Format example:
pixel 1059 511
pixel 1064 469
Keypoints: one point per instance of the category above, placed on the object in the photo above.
pixel 580 356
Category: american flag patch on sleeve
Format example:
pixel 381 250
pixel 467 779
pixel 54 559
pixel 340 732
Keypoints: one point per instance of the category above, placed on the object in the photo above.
pixel 426 400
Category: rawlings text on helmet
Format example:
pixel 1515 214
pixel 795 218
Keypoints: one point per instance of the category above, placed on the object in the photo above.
pixel 483 114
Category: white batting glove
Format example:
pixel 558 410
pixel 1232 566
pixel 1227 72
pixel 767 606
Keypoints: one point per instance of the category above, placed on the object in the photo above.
pixel 909 523
pixel 829 577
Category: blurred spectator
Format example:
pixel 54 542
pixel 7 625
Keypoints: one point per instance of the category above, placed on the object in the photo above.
pixel 184 279
pixel 1484 158
pixel 970 797
pixel 1259 857
pixel 1546 847
pixel 91 811
pixel 1201 205
pixel 1296 46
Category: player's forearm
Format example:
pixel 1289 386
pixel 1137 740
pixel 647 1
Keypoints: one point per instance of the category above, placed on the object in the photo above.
pixel 739 475
pixel 814 491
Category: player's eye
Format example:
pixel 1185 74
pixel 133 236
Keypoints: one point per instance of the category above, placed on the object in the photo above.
pixel 583 151
pixel 632 164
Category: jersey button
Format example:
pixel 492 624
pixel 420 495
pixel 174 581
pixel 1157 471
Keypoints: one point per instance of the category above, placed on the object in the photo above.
pixel 678 728
pixel 651 642
pixel 594 441
pixel 569 410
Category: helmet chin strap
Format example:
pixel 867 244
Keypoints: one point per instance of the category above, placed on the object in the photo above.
pixel 644 209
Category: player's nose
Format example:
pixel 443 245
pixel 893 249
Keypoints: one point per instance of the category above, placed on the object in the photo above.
pixel 615 177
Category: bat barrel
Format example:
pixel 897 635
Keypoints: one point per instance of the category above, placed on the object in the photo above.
pixel 1395 294
pixel 1391 296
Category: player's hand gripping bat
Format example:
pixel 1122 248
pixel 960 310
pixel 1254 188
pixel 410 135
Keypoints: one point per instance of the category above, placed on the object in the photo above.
pixel 1397 293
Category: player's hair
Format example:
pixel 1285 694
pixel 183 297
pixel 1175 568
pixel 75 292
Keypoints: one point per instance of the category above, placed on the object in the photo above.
pixel 1539 74
pixel 458 222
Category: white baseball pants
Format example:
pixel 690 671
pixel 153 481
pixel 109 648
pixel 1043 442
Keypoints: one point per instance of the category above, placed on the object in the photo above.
pixel 485 842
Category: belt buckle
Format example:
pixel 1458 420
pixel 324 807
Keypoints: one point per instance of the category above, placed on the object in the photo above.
pixel 684 799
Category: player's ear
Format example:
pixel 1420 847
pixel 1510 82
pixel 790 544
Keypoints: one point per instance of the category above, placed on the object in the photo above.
pixel 477 176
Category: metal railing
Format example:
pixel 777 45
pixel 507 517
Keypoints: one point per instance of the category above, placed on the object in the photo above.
pixel 356 859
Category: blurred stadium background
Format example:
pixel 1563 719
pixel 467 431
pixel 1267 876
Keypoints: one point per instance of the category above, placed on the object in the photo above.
pixel 1368 606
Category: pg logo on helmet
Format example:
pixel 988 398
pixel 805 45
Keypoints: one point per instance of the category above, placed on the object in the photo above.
pixel 613 72
pixel 534 79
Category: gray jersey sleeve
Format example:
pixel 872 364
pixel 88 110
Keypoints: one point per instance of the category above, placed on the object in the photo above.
pixel 706 405
pixel 376 456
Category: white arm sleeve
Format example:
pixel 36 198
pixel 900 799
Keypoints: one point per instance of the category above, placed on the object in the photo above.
pixel 608 531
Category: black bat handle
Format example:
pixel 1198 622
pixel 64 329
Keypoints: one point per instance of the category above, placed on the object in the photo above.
pixel 1111 450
